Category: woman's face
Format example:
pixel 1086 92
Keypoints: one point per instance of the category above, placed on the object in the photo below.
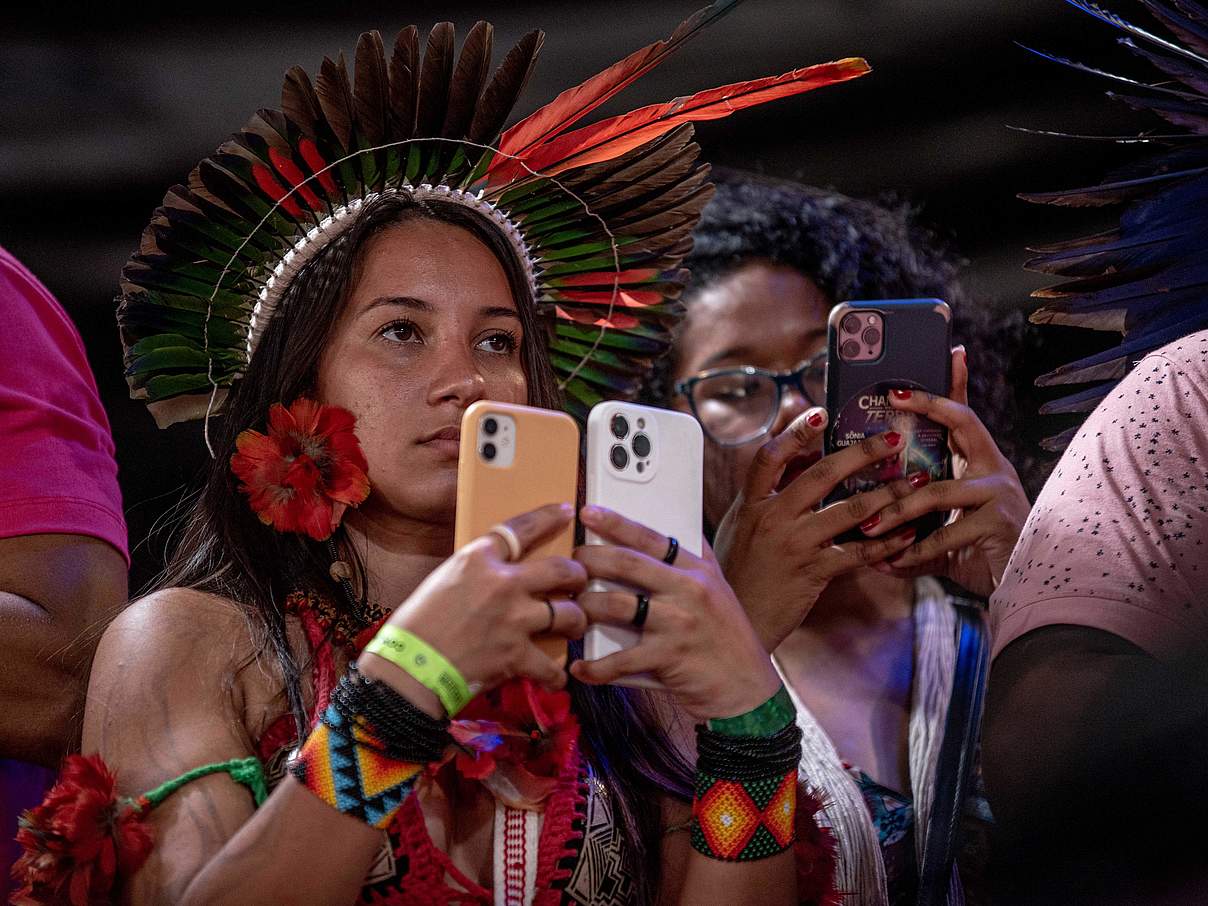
pixel 430 327
pixel 767 315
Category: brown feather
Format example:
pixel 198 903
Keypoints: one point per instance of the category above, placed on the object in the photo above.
pixel 371 89
pixel 300 103
pixel 468 78
pixel 435 75
pixel 335 97
pixel 404 83
pixel 271 126
pixel 504 88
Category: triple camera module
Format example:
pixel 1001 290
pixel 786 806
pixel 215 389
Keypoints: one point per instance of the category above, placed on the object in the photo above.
pixel 638 449
pixel 861 336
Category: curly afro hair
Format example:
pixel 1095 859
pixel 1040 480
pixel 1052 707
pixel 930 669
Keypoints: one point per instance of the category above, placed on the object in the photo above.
pixel 857 249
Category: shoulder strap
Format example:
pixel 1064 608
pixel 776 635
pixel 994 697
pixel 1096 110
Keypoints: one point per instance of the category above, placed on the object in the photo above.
pixel 954 771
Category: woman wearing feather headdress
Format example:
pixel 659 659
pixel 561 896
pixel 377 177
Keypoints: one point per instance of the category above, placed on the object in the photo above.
pixel 340 282
pixel 1097 713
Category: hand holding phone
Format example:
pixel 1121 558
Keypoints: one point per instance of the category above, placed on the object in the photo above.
pixel 646 464
pixel 873 349
pixel 514 459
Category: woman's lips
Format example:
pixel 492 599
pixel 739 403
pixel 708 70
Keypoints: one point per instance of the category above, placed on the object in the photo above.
pixel 446 442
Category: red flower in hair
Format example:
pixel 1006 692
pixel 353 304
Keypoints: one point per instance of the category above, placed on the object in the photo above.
pixel 306 471
pixel 516 739
pixel 79 839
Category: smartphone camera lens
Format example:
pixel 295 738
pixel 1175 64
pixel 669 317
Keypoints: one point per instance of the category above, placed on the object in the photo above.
pixel 851 323
pixel 850 349
pixel 641 446
pixel 620 427
pixel 488 452
pixel 619 457
pixel 871 336
pixel 489 426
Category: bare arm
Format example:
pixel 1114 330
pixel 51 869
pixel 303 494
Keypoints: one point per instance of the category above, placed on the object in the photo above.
pixel 56 593
pixel 165 698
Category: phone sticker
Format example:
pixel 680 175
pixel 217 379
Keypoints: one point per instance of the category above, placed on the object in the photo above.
pixel 869 413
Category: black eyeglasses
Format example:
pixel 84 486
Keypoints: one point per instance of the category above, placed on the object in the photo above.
pixel 738 405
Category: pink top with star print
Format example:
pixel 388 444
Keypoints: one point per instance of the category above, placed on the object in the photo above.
pixel 1118 539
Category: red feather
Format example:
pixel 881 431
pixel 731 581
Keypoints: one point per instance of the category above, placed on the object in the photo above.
pixel 314 160
pixel 296 177
pixel 575 103
pixel 615 136
pixel 274 190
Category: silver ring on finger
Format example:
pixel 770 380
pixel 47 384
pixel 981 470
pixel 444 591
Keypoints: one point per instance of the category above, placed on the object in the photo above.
pixel 672 550
pixel 642 611
pixel 510 540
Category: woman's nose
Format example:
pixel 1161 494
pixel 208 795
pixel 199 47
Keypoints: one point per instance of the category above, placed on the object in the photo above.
pixel 456 378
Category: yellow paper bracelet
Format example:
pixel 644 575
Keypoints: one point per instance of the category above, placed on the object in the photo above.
pixel 424 664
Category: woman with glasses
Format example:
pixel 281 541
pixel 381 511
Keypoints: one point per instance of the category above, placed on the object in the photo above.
pixel 863 633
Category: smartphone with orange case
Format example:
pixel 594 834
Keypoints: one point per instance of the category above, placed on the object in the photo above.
pixel 514 459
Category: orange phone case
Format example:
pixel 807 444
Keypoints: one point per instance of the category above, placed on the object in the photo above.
pixel 545 469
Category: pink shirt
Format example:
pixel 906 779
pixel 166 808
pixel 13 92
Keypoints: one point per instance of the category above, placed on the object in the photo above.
pixel 57 472
pixel 1118 539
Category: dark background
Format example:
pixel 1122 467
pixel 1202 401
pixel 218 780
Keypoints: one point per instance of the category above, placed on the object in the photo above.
pixel 100 111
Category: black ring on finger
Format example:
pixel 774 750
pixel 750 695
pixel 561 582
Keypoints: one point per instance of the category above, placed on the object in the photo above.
pixel 552 615
pixel 643 610
pixel 672 550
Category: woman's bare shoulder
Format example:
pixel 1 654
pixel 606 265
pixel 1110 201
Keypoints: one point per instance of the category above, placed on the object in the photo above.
pixel 176 656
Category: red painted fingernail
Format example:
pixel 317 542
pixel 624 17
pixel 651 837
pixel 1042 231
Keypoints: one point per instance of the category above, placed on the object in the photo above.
pixel 902 394
pixel 893 438
pixel 871 523
pixel 815 420
pixel 918 479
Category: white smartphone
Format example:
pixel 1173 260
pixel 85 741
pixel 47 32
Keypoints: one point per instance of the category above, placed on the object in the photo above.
pixel 648 465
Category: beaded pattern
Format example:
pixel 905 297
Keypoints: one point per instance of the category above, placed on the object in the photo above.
pixel 348 771
pixel 742 821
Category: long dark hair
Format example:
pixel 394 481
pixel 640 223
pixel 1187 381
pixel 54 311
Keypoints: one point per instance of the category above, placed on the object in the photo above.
pixel 225 550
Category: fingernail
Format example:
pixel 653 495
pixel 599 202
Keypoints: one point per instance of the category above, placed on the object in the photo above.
pixel 902 394
pixel 871 523
pixel 961 349
pixel 893 438
pixel 918 479
pixel 590 513
pixel 816 419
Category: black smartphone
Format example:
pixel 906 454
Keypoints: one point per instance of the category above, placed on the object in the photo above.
pixel 872 348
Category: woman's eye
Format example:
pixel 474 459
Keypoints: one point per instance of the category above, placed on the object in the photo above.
pixel 400 332
pixel 499 342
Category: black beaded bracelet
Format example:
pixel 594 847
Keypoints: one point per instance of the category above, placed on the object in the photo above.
pixel 747 757
pixel 403 732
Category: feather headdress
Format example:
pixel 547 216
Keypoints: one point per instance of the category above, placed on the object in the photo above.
pixel 1148 277
pixel 599 215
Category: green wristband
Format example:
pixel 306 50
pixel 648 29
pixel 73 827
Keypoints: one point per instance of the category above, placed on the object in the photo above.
pixel 424 664
pixel 766 720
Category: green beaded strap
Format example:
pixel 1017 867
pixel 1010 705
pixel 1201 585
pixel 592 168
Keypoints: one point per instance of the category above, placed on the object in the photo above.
pixel 247 771
pixel 766 720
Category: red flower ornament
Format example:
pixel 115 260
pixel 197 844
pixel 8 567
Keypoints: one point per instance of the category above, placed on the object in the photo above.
pixel 306 471
pixel 79 839
pixel 517 740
